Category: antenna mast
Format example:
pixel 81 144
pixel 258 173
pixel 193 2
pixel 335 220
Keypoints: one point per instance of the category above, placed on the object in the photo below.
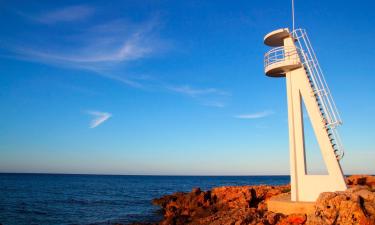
pixel 292 15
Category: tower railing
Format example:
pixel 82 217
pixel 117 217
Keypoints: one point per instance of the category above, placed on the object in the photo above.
pixel 326 104
pixel 280 54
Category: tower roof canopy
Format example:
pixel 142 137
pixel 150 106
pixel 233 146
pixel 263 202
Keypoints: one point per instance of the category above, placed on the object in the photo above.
pixel 276 37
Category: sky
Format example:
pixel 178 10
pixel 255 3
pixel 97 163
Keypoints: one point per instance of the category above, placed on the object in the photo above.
pixel 173 87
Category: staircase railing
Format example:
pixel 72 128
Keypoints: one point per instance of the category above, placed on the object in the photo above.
pixel 330 115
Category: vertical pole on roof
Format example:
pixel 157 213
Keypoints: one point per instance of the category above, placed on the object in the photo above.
pixel 292 15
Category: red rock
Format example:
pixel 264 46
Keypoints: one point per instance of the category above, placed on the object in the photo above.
pixel 222 205
pixel 246 205
pixel 296 219
pixel 347 207
pixel 361 180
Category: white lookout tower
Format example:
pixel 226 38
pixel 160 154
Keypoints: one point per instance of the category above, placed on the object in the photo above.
pixel 294 58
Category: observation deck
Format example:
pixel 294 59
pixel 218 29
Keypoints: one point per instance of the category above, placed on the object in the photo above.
pixel 283 58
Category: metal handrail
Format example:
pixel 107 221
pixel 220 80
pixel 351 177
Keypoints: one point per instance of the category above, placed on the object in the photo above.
pixel 280 54
pixel 321 89
pixel 310 60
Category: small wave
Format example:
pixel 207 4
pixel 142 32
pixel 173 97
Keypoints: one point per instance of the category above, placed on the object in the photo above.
pixel 112 202
pixel 32 211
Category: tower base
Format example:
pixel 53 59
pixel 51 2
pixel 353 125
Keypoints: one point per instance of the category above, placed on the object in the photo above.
pixel 283 204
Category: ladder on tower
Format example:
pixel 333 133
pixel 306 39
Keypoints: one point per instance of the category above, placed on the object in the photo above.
pixel 330 117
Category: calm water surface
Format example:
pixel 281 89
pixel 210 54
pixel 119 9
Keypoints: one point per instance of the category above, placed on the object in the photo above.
pixel 99 199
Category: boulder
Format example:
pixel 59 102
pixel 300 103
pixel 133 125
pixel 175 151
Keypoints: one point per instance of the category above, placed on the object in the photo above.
pixel 354 206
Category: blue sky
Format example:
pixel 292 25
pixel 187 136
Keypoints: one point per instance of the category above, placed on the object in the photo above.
pixel 172 87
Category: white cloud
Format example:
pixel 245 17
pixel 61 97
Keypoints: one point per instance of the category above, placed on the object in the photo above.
pixel 211 97
pixel 103 48
pixel 92 52
pixel 256 115
pixel 216 104
pixel 195 92
pixel 67 14
pixel 100 117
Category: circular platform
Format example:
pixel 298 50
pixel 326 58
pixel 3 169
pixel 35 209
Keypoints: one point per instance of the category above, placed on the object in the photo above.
pixel 282 204
pixel 276 37
pixel 280 68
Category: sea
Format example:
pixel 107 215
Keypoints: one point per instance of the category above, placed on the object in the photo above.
pixel 57 199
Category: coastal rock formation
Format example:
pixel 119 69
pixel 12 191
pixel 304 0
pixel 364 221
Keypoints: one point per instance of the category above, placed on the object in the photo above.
pixel 363 180
pixel 222 205
pixel 247 205
pixel 354 206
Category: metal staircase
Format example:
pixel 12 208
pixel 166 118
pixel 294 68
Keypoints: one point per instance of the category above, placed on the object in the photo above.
pixel 330 116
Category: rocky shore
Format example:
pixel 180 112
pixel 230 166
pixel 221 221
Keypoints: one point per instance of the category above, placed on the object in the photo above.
pixel 247 205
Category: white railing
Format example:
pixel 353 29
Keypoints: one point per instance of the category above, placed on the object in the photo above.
pixel 320 87
pixel 280 54
pixel 311 63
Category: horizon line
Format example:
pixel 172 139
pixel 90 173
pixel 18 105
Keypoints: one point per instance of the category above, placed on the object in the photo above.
pixel 103 174
pixel 160 175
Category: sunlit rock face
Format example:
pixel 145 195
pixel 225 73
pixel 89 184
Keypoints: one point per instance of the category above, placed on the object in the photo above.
pixel 222 205
pixel 247 205
pixel 354 206
pixel 361 180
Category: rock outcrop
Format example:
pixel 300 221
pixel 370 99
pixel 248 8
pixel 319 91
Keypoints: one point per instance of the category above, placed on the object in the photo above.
pixel 222 205
pixel 363 180
pixel 247 205
pixel 354 206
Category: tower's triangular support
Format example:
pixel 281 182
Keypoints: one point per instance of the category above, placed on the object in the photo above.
pixel 306 83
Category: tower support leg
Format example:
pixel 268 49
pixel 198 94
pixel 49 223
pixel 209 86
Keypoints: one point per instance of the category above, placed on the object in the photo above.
pixel 305 187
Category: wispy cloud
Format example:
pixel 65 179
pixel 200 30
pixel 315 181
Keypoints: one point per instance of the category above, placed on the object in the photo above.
pixel 216 104
pixel 195 92
pixel 66 14
pixel 105 49
pixel 211 97
pixel 92 51
pixel 100 117
pixel 256 115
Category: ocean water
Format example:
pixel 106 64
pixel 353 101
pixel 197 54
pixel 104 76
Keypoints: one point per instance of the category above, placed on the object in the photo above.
pixel 53 199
